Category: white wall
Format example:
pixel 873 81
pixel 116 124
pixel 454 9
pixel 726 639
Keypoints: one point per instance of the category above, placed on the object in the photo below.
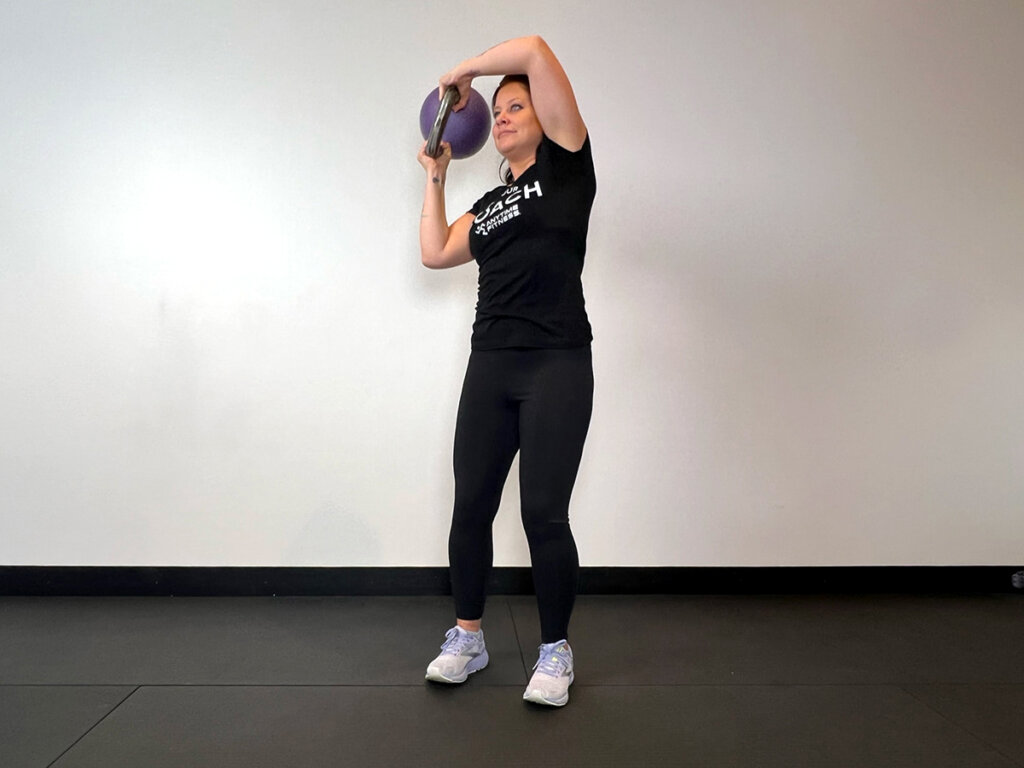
pixel 805 276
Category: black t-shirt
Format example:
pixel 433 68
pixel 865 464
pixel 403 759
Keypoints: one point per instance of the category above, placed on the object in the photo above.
pixel 529 239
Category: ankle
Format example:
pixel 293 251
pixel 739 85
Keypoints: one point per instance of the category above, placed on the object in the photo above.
pixel 469 626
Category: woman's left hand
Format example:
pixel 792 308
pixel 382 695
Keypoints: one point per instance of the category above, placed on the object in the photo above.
pixel 462 78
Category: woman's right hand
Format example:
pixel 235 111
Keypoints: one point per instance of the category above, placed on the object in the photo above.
pixel 436 167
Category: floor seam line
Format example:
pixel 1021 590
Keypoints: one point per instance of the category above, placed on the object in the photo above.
pixel 960 726
pixel 477 684
pixel 515 630
pixel 94 726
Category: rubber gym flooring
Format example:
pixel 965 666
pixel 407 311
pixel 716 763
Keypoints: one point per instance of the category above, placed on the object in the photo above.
pixel 686 680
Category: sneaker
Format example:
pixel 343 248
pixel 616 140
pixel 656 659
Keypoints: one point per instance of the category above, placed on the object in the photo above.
pixel 462 654
pixel 553 676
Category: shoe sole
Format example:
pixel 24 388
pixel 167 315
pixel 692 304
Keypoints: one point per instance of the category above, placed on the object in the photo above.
pixel 475 665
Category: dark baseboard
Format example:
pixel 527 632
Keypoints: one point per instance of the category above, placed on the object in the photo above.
pixel 258 581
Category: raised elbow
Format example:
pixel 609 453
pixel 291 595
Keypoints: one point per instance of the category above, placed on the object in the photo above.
pixel 538 44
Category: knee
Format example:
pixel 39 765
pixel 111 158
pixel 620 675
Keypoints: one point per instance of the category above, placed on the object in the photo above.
pixel 474 512
pixel 544 509
pixel 541 530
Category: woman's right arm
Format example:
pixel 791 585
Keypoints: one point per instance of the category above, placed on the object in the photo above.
pixel 441 246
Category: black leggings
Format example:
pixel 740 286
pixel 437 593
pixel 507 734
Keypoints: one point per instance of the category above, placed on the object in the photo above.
pixel 537 402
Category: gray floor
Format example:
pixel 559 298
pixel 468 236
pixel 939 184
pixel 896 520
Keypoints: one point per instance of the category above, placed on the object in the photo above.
pixel 866 681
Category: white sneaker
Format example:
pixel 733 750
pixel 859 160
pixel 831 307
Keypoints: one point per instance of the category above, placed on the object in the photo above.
pixel 553 676
pixel 462 654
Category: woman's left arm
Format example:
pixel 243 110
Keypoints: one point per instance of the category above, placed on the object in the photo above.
pixel 550 90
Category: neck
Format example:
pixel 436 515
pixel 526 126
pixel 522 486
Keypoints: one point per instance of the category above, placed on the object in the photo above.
pixel 518 167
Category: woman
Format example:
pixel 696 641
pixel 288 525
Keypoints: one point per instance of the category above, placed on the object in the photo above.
pixel 529 383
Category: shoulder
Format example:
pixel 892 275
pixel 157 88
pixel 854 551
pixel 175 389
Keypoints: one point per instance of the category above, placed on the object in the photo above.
pixel 579 161
pixel 553 146
pixel 556 153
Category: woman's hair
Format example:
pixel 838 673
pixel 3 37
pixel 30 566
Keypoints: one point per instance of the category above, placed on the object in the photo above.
pixel 523 80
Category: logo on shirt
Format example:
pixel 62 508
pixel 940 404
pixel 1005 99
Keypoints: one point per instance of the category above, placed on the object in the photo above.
pixel 505 208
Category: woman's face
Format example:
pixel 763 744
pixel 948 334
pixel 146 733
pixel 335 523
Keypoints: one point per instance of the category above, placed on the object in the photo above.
pixel 516 130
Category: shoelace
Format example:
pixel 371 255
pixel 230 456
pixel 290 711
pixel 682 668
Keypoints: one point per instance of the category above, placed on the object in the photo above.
pixel 551 663
pixel 456 642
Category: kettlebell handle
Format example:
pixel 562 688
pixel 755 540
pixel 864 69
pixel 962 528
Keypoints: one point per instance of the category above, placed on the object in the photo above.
pixel 449 100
